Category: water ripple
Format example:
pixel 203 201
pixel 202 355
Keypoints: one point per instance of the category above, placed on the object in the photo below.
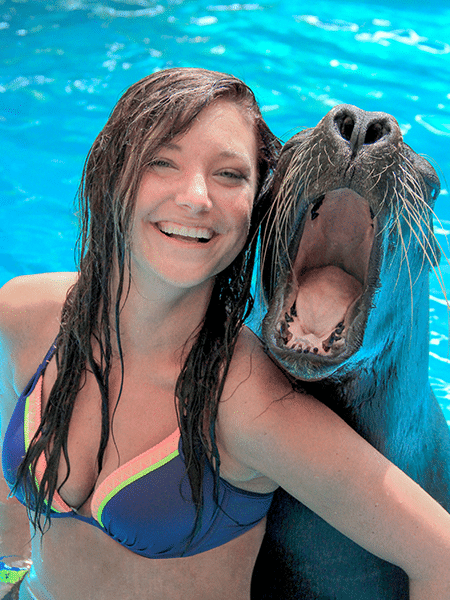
pixel 434 124
pixel 330 25
pixel 408 37
pixel 108 12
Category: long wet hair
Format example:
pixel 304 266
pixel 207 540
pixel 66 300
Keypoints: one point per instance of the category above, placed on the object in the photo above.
pixel 149 115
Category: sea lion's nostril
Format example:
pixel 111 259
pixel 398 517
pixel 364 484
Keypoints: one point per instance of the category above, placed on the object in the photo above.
pixel 346 126
pixel 375 132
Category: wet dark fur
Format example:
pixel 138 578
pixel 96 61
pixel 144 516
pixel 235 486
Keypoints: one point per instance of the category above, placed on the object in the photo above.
pixel 376 377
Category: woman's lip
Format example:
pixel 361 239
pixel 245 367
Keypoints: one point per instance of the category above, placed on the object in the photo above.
pixel 172 228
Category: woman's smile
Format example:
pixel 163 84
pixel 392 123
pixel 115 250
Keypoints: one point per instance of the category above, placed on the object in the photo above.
pixel 184 232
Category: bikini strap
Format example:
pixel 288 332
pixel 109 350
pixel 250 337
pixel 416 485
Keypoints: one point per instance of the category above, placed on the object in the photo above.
pixel 33 381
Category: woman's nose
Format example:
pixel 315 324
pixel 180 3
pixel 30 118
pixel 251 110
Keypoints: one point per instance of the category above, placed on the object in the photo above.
pixel 194 194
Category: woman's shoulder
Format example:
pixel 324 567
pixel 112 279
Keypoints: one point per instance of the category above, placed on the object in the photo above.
pixel 28 300
pixel 251 355
pixel 254 381
pixel 254 387
pixel 30 310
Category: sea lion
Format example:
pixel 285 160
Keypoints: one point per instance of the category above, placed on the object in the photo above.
pixel 346 259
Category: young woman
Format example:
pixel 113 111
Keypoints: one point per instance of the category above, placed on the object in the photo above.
pixel 143 426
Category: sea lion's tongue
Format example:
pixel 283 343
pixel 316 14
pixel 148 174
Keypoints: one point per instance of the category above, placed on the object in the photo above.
pixel 323 299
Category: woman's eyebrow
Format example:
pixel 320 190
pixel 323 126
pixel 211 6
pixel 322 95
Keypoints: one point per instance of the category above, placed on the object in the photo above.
pixel 221 154
pixel 233 154
pixel 171 146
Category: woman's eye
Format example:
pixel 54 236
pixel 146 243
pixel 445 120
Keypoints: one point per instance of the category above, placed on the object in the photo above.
pixel 233 175
pixel 160 162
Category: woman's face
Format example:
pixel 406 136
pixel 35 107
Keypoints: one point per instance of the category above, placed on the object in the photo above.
pixel 195 200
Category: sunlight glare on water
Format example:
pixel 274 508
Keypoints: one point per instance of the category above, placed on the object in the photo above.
pixel 64 64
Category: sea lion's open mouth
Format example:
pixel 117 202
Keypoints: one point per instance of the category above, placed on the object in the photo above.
pixel 317 317
pixel 329 275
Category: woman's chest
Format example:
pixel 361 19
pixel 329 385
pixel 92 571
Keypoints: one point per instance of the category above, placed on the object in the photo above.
pixel 104 434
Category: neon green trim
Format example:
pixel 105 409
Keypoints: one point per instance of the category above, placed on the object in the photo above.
pixel 130 480
pixel 12 575
pixel 26 428
pixel 46 502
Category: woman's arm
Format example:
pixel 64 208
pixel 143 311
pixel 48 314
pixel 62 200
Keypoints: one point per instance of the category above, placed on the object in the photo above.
pixel 304 447
pixel 321 461
pixel 15 547
pixel 30 309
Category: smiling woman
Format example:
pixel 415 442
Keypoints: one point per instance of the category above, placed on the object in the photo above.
pixel 183 156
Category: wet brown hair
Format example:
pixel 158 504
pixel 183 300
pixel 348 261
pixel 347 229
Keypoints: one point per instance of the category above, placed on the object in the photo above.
pixel 150 114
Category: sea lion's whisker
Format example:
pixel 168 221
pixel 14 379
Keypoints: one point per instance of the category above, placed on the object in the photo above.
pixel 328 157
pixel 411 187
pixel 405 257
pixel 381 207
pixel 429 253
pixel 420 214
pixel 378 177
pixel 399 239
pixel 420 240
pixel 438 244
pixel 387 224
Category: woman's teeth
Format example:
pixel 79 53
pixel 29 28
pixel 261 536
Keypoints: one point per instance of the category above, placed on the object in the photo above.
pixel 200 234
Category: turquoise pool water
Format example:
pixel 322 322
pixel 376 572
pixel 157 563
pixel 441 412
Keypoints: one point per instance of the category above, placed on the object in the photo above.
pixel 64 64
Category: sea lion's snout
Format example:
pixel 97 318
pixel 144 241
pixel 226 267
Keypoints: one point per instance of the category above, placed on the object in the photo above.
pixel 352 211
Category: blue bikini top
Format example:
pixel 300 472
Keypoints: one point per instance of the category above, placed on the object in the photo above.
pixel 146 504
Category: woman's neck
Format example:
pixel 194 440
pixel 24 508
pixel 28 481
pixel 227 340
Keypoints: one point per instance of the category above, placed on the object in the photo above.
pixel 162 320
